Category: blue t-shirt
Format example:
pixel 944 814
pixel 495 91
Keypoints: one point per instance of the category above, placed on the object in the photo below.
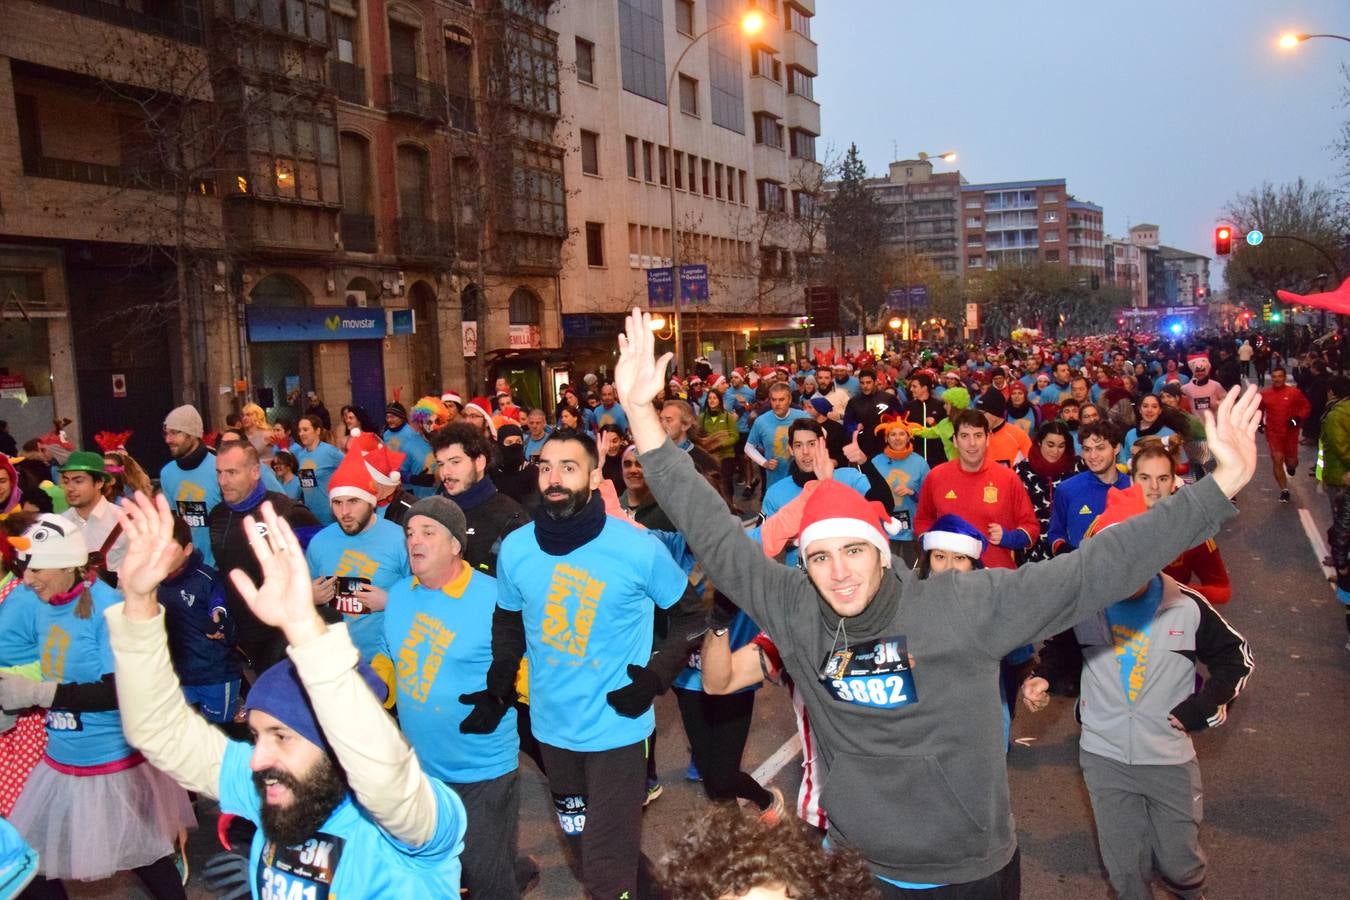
pixel 193 493
pixel 1133 435
pixel 271 482
pixel 1131 623
pixel 76 651
pixel 599 417
pixel 740 400
pixel 743 631
pixel 441 644
pixel 316 467
pixel 588 616
pixel 769 435
pixel 417 459
pixel 292 489
pixel 350 855
pixel 533 447
pixel 378 555
pixel 18 627
pixel 903 473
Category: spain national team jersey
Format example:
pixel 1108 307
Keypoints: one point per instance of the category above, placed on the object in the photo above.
pixel 588 616
pixel 377 556
pixel 349 854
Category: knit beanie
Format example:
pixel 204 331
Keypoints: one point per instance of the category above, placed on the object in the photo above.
pixel 993 402
pixel 836 510
pixel 822 406
pixel 352 479
pixel 52 542
pixel 397 409
pixel 185 419
pixel 955 535
pixel 446 512
pixel 280 693
pixel 956 397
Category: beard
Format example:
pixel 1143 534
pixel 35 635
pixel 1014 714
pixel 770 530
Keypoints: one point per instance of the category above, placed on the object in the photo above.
pixel 565 504
pixel 313 800
pixel 360 524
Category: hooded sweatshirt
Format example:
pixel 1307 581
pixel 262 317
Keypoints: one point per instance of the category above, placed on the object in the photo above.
pixel 915 769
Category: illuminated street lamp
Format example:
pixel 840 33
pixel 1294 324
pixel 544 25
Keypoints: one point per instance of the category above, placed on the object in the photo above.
pixel 751 23
pixel 1290 40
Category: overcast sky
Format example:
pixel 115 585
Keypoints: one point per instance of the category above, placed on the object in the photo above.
pixel 1159 111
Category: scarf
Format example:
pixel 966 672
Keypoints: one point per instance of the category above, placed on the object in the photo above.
pixel 898 454
pixel 194 459
pixel 78 588
pixel 477 495
pixel 800 478
pixel 1053 471
pixel 1143 430
pixel 1019 412
pixel 252 501
pixel 559 537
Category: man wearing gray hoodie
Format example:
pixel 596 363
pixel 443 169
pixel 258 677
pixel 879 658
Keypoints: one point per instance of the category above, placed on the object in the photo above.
pixel 900 676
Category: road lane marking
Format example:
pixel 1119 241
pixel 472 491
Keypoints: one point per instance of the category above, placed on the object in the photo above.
pixel 1319 546
pixel 779 758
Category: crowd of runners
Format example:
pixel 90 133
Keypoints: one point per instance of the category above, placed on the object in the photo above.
pixel 347 630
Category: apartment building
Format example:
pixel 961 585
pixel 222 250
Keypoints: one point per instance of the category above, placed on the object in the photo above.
pixel 1029 222
pixel 245 201
pixel 732 133
pixel 923 211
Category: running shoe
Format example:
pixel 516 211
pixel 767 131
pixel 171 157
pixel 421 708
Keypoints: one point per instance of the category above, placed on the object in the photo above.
pixel 654 790
pixel 691 772
pixel 774 814
pixel 1284 496
pixel 1291 468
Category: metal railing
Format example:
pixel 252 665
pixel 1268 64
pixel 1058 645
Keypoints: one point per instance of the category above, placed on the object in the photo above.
pixel 349 80
pixel 358 233
pixel 415 97
pixel 188 32
pixel 421 238
pixel 107 176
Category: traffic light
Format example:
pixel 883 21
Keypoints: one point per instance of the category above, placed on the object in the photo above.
pixel 1275 316
pixel 1223 240
pixel 1266 311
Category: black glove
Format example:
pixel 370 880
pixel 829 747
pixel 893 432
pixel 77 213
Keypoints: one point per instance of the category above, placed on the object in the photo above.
pixel 1193 713
pixel 634 699
pixel 722 612
pixel 487 713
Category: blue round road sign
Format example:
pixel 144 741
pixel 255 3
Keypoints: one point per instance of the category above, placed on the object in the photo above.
pixel 1255 237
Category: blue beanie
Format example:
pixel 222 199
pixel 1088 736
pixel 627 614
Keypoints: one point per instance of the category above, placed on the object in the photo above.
pixel 956 535
pixel 280 693
pixel 822 406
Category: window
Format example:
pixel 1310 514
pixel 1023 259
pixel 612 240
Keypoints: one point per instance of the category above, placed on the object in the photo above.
pixel 803 145
pixel 707 178
pixel 693 173
pixel 414 182
pixel 972 204
pixel 803 205
pixel 684 16
pixel 763 64
pixel 679 169
pixel 292 149
pixel 731 184
pixel 688 95
pixel 30 133
pixel 345 26
pixel 646 160
pixel 717 180
pixel 631 152
pixel 595 244
pixel 1051 215
pixel 975 262
pixel 740 179
pixel 770 196
pixel 459 78
pixel 1052 237
pixel 797 20
pixel 1052 256
pixel 523 307
pixel 355 175
pixel 768 131
pixel 800 82
pixel 642 48
pixel 1051 197
pixel 402 50
pixel 972 222
pixel 590 153
pixel 726 83
pixel 585 61
pixel 663 158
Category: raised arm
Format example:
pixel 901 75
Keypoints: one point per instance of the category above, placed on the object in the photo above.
pixel 733 561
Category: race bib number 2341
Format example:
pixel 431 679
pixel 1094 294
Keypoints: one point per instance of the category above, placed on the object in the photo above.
pixel 303 872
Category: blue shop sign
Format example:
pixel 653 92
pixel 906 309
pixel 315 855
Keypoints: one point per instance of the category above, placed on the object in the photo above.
pixel 314 323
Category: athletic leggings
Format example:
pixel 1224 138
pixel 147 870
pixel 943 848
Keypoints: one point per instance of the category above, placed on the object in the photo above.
pixel 161 880
pixel 717 728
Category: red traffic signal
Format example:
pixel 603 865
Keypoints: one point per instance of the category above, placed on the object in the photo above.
pixel 1223 240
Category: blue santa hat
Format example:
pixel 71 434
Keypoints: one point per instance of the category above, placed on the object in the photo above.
pixel 955 535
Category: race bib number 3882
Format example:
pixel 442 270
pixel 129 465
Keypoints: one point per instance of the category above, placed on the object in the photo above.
pixel 303 872
pixel 873 673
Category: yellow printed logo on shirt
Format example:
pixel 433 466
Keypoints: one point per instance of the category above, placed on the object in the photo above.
pixel 355 564
pixel 569 610
pixel 54 653
pixel 1085 511
pixel 990 494
pixel 950 495
pixel 420 657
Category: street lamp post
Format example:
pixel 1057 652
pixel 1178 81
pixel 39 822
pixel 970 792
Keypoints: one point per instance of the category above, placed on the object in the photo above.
pixel 1292 39
pixel 751 22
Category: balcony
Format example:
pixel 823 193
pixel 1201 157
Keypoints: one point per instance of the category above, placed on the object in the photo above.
pixel 462 113
pixel 415 98
pixel 358 233
pixel 108 176
pixel 800 51
pixel 186 27
pixel 767 95
pixel 280 229
pixel 422 238
pixel 349 80
pixel 803 113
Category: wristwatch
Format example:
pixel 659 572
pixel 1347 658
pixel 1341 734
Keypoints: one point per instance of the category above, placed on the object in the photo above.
pixel 720 632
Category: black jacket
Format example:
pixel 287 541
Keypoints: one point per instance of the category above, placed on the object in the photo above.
pixel 397 509
pixel 933 450
pixel 489 523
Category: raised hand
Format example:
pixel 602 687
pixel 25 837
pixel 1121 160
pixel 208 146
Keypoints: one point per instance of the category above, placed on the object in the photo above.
pixel 852 452
pixel 152 553
pixel 824 463
pixel 603 440
pixel 1230 434
pixel 284 599
pixel 639 375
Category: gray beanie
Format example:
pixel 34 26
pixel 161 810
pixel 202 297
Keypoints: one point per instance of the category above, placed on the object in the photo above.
pixel 185 419
pixel 446 512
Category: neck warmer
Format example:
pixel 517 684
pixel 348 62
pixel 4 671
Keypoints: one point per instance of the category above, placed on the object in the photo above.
pixel 1019 412
pixel 1051 470
pixel 800 478
pixel 898 454
pixel 65 597
pixel 194 459
pixel 1200 382
pixel 251 502
pixel 872 621
pixel 477 495
pixel 559 537
pixel 1146 430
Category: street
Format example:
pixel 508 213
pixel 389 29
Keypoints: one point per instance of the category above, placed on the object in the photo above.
pixel 1273 774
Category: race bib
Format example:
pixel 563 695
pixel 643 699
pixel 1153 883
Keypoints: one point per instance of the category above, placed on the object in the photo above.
pixel 302 872
pixel 63 720
pixel 902 516
pixel 193 512
pixel 346 599
pixel 871 673
pixel 308 480
pixel 695 660
pixel 571 810
pixel 1201 403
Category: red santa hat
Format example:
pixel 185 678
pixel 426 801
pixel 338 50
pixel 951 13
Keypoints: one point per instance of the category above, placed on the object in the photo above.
pixel 453 397
pixel 383 465
pixel 362 441
pixel 1198 358
pixel 720 383
pixel 352 479
pixel 483 407
pixel 836 510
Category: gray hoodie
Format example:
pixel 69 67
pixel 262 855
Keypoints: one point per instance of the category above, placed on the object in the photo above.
pixel 915 771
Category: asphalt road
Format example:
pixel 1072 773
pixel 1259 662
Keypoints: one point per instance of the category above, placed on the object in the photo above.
pixel 1274 774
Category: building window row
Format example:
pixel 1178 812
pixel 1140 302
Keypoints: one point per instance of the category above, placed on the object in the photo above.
pixel 653 163
pixel 801 82
pixel 768 130
pixel 796 19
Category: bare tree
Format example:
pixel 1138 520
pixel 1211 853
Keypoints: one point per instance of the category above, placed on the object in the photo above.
pixel 1304 226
